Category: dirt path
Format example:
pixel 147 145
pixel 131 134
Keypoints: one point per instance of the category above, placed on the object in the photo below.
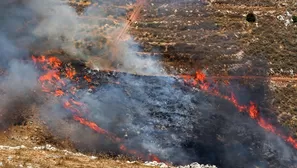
pixel 133 17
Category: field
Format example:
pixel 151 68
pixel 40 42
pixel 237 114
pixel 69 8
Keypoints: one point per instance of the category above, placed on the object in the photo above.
pixel 255 59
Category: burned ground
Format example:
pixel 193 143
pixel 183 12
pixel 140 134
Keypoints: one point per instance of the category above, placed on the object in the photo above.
pixel 216 37
pixel 185 124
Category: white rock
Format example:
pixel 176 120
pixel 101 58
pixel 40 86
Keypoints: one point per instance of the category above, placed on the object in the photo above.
pixel 93 157
pixel 196 165
pixel 288 14
pixel 291 72
pixel 9 158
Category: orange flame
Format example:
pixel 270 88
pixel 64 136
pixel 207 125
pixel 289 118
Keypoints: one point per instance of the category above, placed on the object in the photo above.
pixel 52 80
pixel 253 112
pixel 200 80
pixel 76 102
pixel 54 62
pixel 200 76
pixel 88 79
pixel 50 76
pixel 90 124
pixel 154 158
pixel 59 93
pixel 70 73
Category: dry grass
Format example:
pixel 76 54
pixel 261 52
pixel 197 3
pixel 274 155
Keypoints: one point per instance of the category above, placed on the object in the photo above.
pixel 53 159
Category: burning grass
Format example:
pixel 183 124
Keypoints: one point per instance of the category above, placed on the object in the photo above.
pixel 58 85
pixel 53 82
pixel 251 109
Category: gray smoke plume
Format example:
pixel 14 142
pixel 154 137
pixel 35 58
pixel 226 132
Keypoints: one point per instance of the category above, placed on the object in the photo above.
pixel 52 24
pixel 19 78
pixel 17 92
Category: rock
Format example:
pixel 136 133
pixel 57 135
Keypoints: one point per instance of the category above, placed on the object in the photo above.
pixel 197 165
pixel 291 72
pixel 156 164
pixel 9 158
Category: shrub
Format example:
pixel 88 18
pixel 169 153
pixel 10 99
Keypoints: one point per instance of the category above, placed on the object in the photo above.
pixel 250 17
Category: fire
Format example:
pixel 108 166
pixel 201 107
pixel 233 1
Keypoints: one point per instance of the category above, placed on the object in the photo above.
pixel 200 76
pixel 54 62
pixel 200 81
pixel 40 59
pixel 59 93
pixel 123 148
pixel 292 141
pixel 88 79
pixel 52 81
pixel 90 124
pixel 69 106
pixel 70 73
pixel 266 126
pixel 154 158
pixel 253 112
pixel 76 102
pixel 50 77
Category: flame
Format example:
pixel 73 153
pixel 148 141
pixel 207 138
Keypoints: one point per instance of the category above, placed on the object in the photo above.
pixel 200 81
pixel 77 103
pixel 88 79
pixel 67 105
pixel 59 93
pixel 54 62
pixel 292 141
pixel 253 112
pixel 70 73
pixel 154 158
pixel 52 81
pixel 90 124
pixel 266 126
pixel 200 76
pixel 50 77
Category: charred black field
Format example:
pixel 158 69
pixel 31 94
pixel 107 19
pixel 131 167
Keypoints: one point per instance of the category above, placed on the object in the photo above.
pixel 179 123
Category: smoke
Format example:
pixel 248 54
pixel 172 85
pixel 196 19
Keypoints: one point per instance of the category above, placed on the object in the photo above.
pixel 41 25
pixel 18 78
pixel 17 93
pixel 58 23
pixel 159 115
pixel 131 62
